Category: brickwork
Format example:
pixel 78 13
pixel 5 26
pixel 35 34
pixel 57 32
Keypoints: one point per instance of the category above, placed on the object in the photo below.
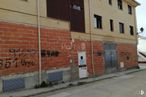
pixel 98 62
pixel 127 53
pixel 19 48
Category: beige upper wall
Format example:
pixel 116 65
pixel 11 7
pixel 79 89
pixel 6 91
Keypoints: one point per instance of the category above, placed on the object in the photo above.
pixel 102 8
pixel 25 11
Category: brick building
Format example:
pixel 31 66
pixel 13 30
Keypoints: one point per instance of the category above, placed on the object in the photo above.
pixel 64 40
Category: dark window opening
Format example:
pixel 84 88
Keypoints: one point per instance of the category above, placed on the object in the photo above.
pixel 68 10
pixel 111 25
pixel 131 30
pixel 77 21
pixel 120 4
pixel 110 2
pixel 121 27
pixel 97 21
pixel 129 9
pixel 58 9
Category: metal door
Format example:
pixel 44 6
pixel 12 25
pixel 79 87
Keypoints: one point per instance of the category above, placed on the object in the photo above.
pixel 82 65
pixel 110 56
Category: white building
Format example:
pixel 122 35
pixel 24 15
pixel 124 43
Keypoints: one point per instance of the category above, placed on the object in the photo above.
pixel 142 51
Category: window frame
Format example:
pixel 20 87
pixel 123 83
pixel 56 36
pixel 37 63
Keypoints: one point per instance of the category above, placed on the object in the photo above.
pixel 121 28
pixel 129 9
pixel 111 25
pixel 131 30
pixel 110 2
pixel 120 4
pixel 97 21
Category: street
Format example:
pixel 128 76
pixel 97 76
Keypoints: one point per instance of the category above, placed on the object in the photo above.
pixel 131 85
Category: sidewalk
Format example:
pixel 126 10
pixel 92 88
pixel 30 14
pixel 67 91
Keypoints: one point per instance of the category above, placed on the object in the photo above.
pixel 26 93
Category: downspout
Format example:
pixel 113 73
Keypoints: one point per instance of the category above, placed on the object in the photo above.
pixel 39 41
pixel 91 43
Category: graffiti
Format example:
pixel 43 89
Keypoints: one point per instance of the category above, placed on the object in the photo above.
pixel 22 52
pixel 19 57
pixel 24 57
pixel 125 55
pixel 49 53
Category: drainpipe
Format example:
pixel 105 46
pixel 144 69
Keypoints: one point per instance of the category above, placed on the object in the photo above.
pixel 92 55
pixel 39 41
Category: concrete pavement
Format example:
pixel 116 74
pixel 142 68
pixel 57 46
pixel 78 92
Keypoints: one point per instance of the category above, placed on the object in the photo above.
pixel 31 92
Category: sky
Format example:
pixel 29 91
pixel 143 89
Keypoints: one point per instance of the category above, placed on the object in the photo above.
pixel 141 16
pixel 141 22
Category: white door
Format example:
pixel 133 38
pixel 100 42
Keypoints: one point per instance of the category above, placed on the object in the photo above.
pixel 82 65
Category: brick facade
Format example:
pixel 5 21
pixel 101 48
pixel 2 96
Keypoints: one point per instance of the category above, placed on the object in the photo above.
pixel 19 50
pixel 127 53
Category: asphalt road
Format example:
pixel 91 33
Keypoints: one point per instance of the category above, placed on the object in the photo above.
pixel 131 85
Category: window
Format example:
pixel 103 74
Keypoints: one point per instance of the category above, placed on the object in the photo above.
pixel 58 9
pixel 129 9
pixel 111 25
pixel 110 2
pixel 131 30
pixel 25 0
pixel 97 21
pixel 121 27
pixel 120 4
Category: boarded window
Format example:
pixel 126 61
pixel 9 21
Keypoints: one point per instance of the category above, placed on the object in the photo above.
pixel 77 15
pixel 58 9
pixel 68 10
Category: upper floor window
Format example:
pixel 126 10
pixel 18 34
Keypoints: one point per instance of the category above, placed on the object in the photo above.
pixel 97 21
pixel 111 25
pixel 131 30
pixel 129 9
pixel 120 4
pixel 110 2
pixel 121 28
pixel 58 9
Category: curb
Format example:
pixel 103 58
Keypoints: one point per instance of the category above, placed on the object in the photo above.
pixel 33 92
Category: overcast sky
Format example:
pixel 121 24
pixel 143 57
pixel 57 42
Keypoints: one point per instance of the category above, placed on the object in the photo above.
pixel 141 16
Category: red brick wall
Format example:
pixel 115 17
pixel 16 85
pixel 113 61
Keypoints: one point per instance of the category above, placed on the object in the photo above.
pixel 59 41
pixel 127 53
pixel 19 48
pixel 80 45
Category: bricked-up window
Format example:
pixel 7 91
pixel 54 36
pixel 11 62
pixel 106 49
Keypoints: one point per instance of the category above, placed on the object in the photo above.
pixel 129 9
pixel 131 30
pixel 120 4
pixel 110 2
pixel 121 28
pixel 98 21
pixel 111 25
pixel 58 9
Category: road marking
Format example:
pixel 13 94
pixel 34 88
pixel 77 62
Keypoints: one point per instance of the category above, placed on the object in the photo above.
pixel 64 94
